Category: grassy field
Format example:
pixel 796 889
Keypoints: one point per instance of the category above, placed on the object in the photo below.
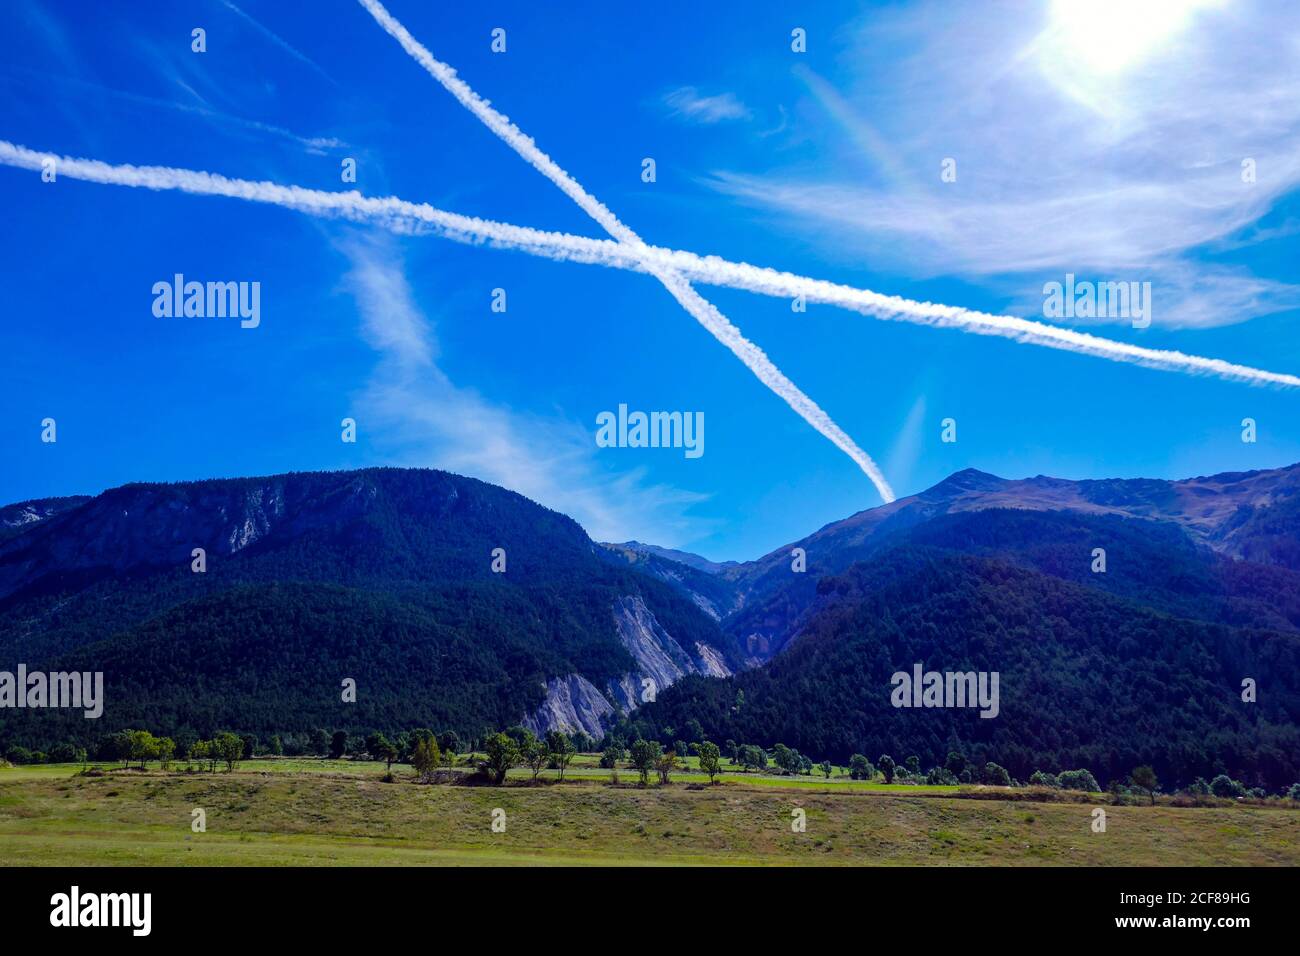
pixel 317 812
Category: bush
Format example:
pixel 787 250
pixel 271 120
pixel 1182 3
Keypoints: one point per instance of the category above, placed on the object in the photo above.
pixel 996 776
pixel 1078 780
pixel 1294 792
pixel 1042 779
pixel 860 768
pixel 1225 786
pixel 940 776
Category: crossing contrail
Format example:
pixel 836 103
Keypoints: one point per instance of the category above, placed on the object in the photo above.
pixel 704 312
pixel 405 217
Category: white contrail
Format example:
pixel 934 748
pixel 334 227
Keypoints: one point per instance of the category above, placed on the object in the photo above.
pixel 703 311
pixel 406 217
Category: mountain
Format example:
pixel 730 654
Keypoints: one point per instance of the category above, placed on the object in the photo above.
pixel 714 595
pixel 1253 516
pixel 18 518
pixel 1122 617
pixel 384 576
pixel 681 557
pixel 1139 660
pixel 1087 679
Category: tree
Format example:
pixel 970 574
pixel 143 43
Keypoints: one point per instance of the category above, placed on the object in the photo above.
pixel 732 750
pixel 611 756
pixel 382 748
pixel 1144 778
pixel 860 768
pixel 500 754
pixel 199 752
pixel 230 748
pixel 1078 780
pixel 141 746
pixel 710 759
pixel 752 757
pixel 644 755
pixel 786 758
pixel 886 764
pixel 561 749
pixel 1225 786
pixel 996 776
pixel 940 776
pixel 338 744
pixel 1041 778
pixel 250 745
pixel 955 763
pixel 165 748
pixel 534 753
pixel 425 757
pixel 666 764
pixel 448 742
pixel 826 768
pixel 319 742
pixel 913 765
pixel 276 746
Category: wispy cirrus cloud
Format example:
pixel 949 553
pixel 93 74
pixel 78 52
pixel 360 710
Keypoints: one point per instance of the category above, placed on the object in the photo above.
pixel 688 103
pixel 1118 169
pixel 279 41
pixel 421 418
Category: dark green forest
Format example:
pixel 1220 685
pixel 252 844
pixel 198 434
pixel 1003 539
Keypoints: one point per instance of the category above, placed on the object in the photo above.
pixel 1087 678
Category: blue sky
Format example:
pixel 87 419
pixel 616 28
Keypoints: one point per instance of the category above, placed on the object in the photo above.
pixel 1108 144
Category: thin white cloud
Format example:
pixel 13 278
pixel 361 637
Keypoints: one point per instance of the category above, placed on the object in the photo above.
pixel 407 218
pixel 279 41
pixel 702 311
pixel 1120 172
pixel 312 144
pixel 686 102
pixel 420 417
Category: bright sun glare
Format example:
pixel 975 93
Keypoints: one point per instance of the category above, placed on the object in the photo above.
pixel 1108 36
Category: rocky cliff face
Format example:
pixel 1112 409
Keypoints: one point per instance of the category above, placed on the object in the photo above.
pixel 573 703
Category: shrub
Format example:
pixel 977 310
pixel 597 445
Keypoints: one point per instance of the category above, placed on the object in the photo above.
pixel 1043 779
pixel 1078 780
pixel 1225 786
pixel 996 776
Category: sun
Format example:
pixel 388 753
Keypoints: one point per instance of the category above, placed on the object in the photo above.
pixel 1106 37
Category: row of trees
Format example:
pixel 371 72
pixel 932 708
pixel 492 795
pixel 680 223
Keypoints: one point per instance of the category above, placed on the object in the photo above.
pixel 434 755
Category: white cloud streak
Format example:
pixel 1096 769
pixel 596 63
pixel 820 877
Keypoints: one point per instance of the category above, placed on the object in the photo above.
pixel 688 103
pixel 701 310
pixel 407 218
pixel 420 417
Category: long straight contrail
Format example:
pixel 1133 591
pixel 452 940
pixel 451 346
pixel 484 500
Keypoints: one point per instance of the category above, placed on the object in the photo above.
pixel 405 217
pixel 703 311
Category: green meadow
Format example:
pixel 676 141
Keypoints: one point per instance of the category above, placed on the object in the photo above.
pixel 322 812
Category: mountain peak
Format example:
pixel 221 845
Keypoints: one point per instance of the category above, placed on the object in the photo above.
pixel 960 482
